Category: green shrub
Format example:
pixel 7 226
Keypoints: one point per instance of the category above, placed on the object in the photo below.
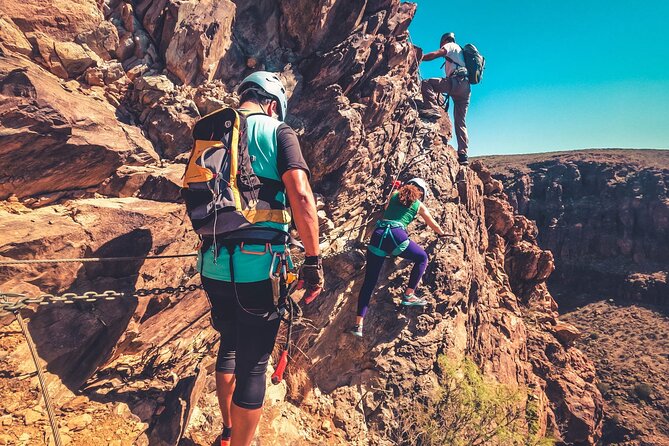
pixel 643 391
pixel 469 409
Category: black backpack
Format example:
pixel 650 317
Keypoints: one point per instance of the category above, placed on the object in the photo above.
pixel 220 188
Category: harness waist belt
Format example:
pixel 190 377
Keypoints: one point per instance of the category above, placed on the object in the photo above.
pixel 251 236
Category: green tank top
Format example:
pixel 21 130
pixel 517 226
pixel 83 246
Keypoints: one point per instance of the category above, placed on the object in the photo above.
pixel 396 211
pixel 261 133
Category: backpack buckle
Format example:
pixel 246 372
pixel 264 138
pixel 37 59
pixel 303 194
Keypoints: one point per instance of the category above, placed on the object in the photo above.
pixel 268 248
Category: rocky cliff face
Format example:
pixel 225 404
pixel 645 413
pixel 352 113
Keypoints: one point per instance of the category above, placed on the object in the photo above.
pixel 604 214
pixel 96 103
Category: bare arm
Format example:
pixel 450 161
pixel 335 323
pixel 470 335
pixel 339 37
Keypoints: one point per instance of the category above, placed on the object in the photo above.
pixel 434 54
pixel 424 212
pixel 304 208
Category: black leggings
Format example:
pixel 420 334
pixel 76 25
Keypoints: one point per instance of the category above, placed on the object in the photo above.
pixel 247 340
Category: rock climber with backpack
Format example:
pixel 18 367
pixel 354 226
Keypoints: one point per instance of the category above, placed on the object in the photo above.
pixel 245 168
pixel 390 239
pixel 463 68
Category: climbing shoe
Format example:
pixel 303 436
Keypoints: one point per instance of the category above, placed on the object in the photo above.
pixel 463 159
pixel 225 436
pixel 356 330
pixel 413 301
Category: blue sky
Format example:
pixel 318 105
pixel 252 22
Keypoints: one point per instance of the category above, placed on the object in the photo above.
pixel 559 74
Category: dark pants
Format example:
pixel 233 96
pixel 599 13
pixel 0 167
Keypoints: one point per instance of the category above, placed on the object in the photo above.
pixel 413 252
pixel 247 340
pixel 459 90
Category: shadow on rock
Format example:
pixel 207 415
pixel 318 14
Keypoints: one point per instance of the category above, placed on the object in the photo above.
pixel 75 339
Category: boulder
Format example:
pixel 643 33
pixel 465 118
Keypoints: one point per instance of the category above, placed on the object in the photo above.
pixel 566 333
pixel 103 40
pixel 46 51
pixel 147 182
pixel 12 39
pixel 74 58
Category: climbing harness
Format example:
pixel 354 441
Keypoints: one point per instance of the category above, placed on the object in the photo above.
pixel 388 226
pixel 282 275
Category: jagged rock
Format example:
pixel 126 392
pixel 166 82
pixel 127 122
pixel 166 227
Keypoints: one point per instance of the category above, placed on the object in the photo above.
pixel 30 416
pixel 566 333
pixel 79 422
pixel 62 20
pixel 59 147
pixel 320 24
pixel 113 227
pixel 499 214
pixel 126 47
pixel 564 372
pixel 201 38
pixel 169 124
pixel 150 89
pixel 167 116
pixel 105 74
pixel 103 40
pixel 329 121
pixel 212 96
pixel 46 49
pixel 74 58
pixel 151 183
pixel 12 38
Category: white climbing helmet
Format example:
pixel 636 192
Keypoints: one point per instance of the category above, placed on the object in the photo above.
pixel 420 184
pixel 271 85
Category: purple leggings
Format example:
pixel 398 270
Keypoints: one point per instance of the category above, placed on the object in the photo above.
pixel 413 252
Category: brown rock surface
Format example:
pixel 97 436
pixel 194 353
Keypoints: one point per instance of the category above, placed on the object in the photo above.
pixel 603 213
pixel 48 145
pixel 629 344
pixel 350 72
pixel 201 38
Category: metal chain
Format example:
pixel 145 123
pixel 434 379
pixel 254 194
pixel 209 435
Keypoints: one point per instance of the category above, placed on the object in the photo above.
pixel 13 302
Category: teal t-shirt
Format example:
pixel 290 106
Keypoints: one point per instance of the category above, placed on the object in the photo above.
pixel 263 149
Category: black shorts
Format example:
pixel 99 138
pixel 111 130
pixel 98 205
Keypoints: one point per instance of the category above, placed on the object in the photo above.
pixel 247 337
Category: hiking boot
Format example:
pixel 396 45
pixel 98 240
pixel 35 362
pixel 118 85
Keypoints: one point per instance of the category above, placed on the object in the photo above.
pixel 430 113
pixel 225 436
pixel 463 159
pixel 356 330
pixel 413 301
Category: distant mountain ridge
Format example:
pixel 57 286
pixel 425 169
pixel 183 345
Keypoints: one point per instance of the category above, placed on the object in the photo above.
pixel 604 213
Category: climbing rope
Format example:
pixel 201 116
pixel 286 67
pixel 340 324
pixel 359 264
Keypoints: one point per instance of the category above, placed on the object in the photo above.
pixel 93 259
